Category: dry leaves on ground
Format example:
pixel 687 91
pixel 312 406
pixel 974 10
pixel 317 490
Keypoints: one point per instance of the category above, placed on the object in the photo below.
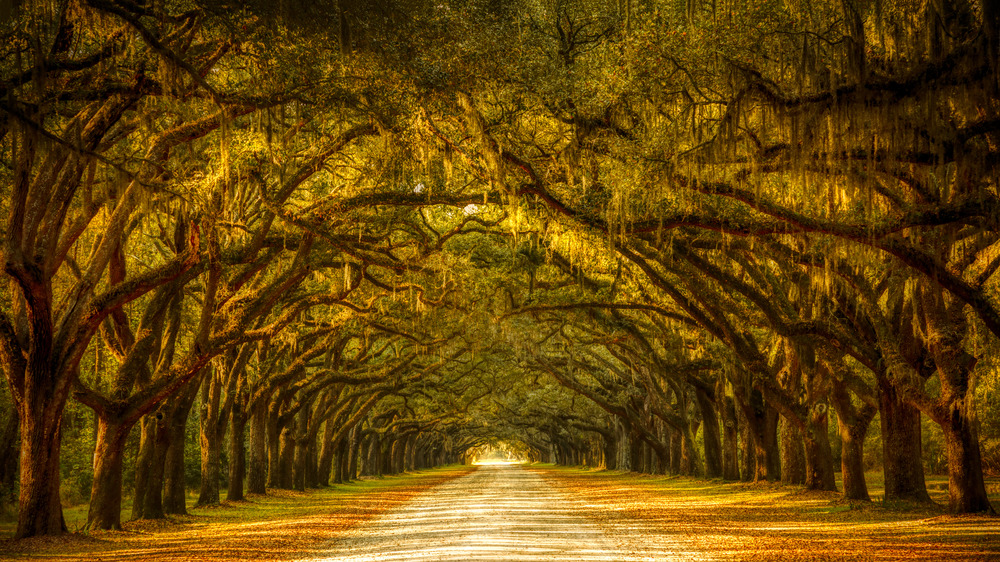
pixel 284 525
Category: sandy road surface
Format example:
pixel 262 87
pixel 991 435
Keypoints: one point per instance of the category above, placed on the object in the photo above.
pixel 498 512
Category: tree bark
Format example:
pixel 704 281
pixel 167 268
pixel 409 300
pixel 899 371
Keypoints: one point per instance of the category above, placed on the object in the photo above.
pixel 327 453
pixel 710 433
pixel 954 410
pixel 748 457
pixel 352 463
pixel 793 454
pixel 210 439
pixel 299 463
pixel 286 458
pixel 411 453
pixel 237 452
pixel 337 465
pixel 301 439
pixel 106 492
pixel 819 456
pixel 153 499
pixel 174 484
pixel 690 465
pixel 730 436
pixel 852 426
pixel 610 450
pixel 634 453
pixel 274 441
pixel 901 448
pixel 762 423
pixel 257 469
pixel 8 465
pixel 39 510
pixel 312 459
pixel 676 446
pixel 966 487
pixel 144 463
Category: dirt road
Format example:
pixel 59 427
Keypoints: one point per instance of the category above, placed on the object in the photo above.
pixel 499 512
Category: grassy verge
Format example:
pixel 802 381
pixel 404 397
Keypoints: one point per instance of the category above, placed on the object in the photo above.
pixel 660 517
pixel 284 525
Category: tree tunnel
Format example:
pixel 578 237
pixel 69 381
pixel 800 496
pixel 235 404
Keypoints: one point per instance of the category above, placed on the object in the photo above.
pixel 317 242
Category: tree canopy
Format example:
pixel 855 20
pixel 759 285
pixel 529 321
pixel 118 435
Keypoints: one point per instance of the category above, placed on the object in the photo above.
pixel 712 238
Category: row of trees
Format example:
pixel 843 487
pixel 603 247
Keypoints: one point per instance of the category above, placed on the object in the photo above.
pixel 167 247
pixel 809 185
pixel 348 238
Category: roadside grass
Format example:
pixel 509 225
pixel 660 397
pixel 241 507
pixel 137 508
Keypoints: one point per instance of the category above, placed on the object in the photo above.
pixel 671 517
pixel 283 525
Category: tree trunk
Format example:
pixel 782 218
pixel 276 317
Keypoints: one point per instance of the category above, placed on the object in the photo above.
pixel 274 442
pixel 819 456
pixel 376 455
pixel 153 498
pixel 748 455
pixel 211 461
pixel 144 463
pixel 344 458
pixel 411 453
pixel 634 453
pixel 237 452
pixel 901 448
pixel 730 436
pixel 676 454
pixel 174 483
pixel 955 409
pixel 966 488
pixel 690 463
pixel 762 423
pixel 106 491
pixel 211 439
pixel 336 466
pixel 286 460
pixel 374 461
pixel 852 426
pixel 300 460
pixel 312 475
pixel 710 434
pixel 327 453
pixel 662 459
pixel 8 464
pixel 301 442
pixel 793 454
pixel 398 453
pixel 257 469
pixel 852 462
pixel 352 462
pixel 39 511
pixel 610 450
